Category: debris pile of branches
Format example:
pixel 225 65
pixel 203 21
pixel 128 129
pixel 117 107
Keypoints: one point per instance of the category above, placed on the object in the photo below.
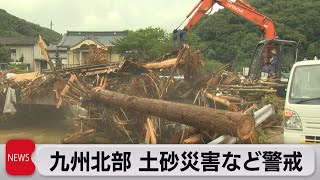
pixel 27 85
pixel 169 101
pixel 98 56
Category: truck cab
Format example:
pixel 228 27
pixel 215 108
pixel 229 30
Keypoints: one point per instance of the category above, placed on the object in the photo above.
pixel 302 104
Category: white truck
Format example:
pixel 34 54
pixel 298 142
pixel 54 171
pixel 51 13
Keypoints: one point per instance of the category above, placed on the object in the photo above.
pixel 302 105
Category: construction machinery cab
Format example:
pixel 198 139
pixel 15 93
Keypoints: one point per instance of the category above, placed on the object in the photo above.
pixel 286 55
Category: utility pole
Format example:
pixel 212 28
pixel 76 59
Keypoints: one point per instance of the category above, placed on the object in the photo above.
pixel 51 24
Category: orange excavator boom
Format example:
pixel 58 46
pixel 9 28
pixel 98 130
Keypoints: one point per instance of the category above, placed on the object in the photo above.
pixel 239 7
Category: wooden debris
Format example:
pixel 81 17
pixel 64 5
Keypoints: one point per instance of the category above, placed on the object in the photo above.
pixel 216 78
pixel 222 100
pixel 213 82
pixel 195 139
pixel 232 98
pixel 231 78
pixel 162 64
pixel 26 76
pixel 98 56
pixel 164 89
pixel 136 90
pixel 150 133
pixel 224 122
pixel 44 52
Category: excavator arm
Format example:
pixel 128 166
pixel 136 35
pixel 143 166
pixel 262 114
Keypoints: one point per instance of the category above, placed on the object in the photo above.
pixel 284 49
pixel 198 12
pixel 265 23
pixel 244 3
pixel 239 7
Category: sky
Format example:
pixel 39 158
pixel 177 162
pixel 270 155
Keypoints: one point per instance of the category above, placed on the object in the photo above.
pixel 101 15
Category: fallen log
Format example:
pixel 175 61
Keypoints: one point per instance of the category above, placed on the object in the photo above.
pixel 216 77
pixel 221 100
pixel 232 98
pixel 213 82
pixel 161 65
pixel 206 119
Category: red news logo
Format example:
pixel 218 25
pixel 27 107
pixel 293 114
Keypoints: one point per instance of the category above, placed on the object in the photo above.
pixel 18 157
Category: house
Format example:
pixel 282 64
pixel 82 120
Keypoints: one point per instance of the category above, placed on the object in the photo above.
pixel 79 43
pixel 25 50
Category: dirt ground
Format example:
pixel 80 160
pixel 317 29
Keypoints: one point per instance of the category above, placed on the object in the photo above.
pixel 276 135
pixel 43 125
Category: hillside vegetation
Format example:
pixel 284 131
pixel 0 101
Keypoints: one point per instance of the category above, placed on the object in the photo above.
pixel 14 26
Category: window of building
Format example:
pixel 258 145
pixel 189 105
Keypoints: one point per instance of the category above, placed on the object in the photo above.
pixel 13 51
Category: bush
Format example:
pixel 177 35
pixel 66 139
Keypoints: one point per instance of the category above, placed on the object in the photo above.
pixel 21 59
pixel 5 54
pixel 18 66
pixel 277 102
pixel 212 66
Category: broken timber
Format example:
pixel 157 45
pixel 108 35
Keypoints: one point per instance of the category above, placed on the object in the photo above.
pixel 161 65
pixel 207 119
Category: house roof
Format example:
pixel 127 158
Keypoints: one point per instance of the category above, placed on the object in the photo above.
pixel 18 40
pixel 53 47
pixel 106 38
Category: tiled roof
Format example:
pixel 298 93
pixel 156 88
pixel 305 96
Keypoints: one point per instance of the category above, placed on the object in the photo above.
pixel 73 38
pixel 18 40
pixel 53 47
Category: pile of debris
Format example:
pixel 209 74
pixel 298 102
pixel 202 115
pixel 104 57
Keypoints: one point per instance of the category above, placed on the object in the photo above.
pixel 97 56
pixel 170 101
pixel 28 85
pixel 167 101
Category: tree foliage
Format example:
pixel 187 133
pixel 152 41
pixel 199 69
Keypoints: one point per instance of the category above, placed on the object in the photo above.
pixel 226 36
pixel 143 44
pixel 5 54
pixel 13 26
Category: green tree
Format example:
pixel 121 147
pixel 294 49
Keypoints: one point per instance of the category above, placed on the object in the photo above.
pixel 143 44
pixel 21 59
pixel 5 54
pixel 212 66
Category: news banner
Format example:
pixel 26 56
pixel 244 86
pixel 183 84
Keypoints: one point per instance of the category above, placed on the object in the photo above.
pixel 24 158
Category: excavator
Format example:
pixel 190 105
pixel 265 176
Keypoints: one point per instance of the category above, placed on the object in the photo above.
pixel 284 50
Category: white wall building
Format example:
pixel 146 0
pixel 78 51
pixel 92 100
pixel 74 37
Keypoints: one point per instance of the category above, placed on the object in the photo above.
pixel 27 48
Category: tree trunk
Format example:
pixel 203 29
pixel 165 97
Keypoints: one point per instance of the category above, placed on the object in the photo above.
pixel 207 119
pixel 213 82
pixel 221 100
pixel 161 65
